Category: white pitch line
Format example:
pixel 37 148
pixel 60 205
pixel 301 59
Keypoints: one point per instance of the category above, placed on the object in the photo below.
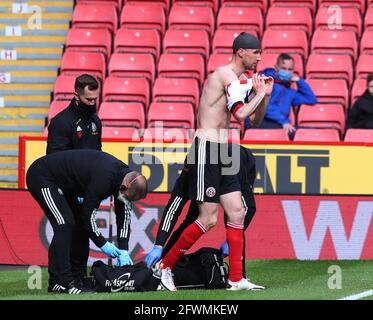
pixel 359 295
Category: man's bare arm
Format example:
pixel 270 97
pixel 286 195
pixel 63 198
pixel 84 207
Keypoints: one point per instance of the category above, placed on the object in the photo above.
pixel 249 108
pixel 257 117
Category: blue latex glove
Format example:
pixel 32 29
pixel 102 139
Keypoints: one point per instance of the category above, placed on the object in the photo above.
pixel 224 249
pixel 110 250
pixel 124 259
pixel 154 256
pixel 80 200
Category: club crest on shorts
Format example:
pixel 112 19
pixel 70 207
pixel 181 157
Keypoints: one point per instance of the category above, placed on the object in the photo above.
pixel 60 191
pixel 210 192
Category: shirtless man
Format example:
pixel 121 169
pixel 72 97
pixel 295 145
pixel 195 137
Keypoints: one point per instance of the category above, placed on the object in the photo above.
pixel 211 179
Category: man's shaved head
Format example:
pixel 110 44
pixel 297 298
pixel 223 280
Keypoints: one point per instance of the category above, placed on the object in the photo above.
pixel 134 186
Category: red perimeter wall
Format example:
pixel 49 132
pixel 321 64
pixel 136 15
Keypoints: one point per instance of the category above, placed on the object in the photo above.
pixel 284 227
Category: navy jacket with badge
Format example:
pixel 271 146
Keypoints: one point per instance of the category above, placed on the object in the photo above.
pixel 74 128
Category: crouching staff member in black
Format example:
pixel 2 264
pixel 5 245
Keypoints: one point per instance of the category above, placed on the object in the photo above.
pixel 179 198
pixel 55 179
pixel 78 126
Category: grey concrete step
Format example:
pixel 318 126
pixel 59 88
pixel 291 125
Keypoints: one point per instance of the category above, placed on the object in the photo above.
pixel 22 128
pixel 8 165
pixel 8 178
pixel 8 141
pixel 7 153
pixel 38 32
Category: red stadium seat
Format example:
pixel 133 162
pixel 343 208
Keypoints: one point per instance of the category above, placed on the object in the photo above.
pixel 334 42
pixel 327 66
pixel 139 41
pixel 191 18
pixel 176 90
pixel 116 3
pixel 223 40
pixel 122 114
pixel 76 63
pixel 132 65
pixel 173 65
pixel 292 42
pixel 322 116
pixel 262 4
pixel 265 135
pixel 364 66
pixel 169 114
pixel 359 135
pixel 56 107
pixel 126 90
pixel 358 88
pixel 166 134
pixel 165 4
pixel 360 4
pixel 64 88
pixel 92 40
pixel 368 21
pixel 317 135
pixel 311 4
pixel 143 17
pixel 269 60
pixel 241 18
pixel 366 43
pixel 186 41
pixel 328 18
pixel 213 4
pixel 217 60
pixel 94 16
pixel 127 133
pixel 332 91
pixel 289 18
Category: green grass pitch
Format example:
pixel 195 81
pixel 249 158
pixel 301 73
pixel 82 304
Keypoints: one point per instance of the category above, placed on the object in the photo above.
pixel 283 279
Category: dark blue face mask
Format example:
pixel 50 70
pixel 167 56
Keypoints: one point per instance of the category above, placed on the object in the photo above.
pixel 285 75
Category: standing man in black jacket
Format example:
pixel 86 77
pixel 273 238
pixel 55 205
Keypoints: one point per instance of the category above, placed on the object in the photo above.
pixel 56 180
pixel 79 127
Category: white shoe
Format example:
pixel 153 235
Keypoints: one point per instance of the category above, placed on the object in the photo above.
pixel 243 284
pixel 167 279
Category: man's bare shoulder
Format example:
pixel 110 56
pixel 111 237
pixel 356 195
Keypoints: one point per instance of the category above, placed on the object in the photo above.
pixel 225 74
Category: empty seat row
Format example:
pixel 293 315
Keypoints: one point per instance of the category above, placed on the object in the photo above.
pixel 202 17
pixel 326 78
pixel 196 42
pixel 326 120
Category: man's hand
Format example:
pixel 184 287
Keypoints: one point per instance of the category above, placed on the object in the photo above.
pixel 124 259
pixel 288 127
pixel 269 81
pixel 154 256
pixel 294 78
pixel 259 83
pixel 110 250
